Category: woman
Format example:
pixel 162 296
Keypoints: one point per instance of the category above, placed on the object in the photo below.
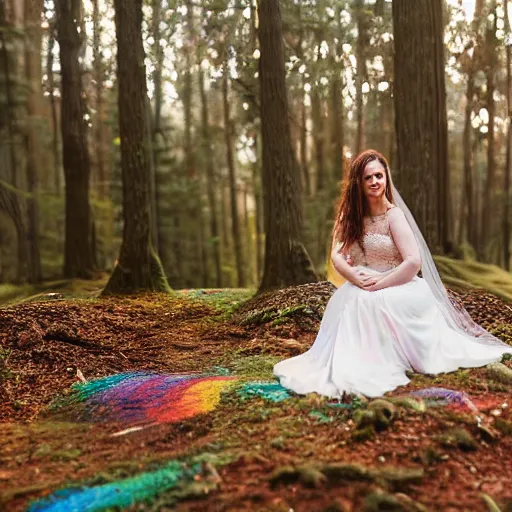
pixel 385 320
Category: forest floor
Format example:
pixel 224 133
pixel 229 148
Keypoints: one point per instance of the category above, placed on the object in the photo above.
pixel 300 454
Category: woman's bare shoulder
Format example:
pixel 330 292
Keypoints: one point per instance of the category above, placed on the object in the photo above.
pixel 395 212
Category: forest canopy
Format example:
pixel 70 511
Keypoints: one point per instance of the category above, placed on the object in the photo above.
pixel 204 143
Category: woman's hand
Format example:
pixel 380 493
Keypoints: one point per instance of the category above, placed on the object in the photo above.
pixel 373 284
pixel 362 278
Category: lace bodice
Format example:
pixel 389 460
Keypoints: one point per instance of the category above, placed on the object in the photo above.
pixel 380 252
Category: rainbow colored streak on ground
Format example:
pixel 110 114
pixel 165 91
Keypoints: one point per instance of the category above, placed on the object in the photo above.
pixel 123 493
pixel 140 398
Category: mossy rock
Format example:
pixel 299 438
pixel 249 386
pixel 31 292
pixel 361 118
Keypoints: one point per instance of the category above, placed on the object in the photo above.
pixel 399 479
pixel 504 426
pixel 385 413
pixel 284 475
pixel 429 457
pixel 458 438
pixel 311 476
pixel 407 402
pixel 364 418
pixel 499 373
pixel 339 472
pixel 360 435
pixel 380 501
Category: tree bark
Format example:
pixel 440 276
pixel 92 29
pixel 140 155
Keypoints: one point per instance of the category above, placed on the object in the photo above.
pixel 235 219
pixel 78 251
pixel 33 73
pixel 9 201
pixel 101 170
pixel 420 117
pixel 487 209
pixel 337 131
pixel 53 107
pixel 286 259
pixel 361 73
pixel 467 226
pixel 210 182
pixel 508 157
pixel 318 127
pixel 258 200
pixel 303 145
pixel 138 267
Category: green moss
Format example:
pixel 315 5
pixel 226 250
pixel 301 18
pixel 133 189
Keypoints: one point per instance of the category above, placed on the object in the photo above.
pixel 458 438
pixel 504 332
pixel 360 435
pixel 466 274
pixel 380 501
pixel 254 366
pixel 504 426
pixel 225 301
pixel 276 317
pixel 66 455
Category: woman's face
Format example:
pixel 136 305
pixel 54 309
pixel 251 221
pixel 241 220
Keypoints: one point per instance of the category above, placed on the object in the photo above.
pixel 374 180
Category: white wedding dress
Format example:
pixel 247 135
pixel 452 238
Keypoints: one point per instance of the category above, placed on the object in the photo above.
pixel 368 340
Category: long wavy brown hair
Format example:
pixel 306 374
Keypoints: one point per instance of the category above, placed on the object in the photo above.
pixel 353 206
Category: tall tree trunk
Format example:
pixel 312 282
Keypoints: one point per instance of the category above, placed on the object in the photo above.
pixel 337 131
pixel 153 154
pixel 286 260
pixel 9 201
pixel 210 182
pixel 194 198
pixel 420 117
pixel 379 7
pixel 466 202
pixel 303 139
pixel 361 72
pixel 318 127
pixel 156 129
pixel 258 199
pixel 101 170
pixel 78 251
pixel 138 267
pixel 157 72
pixel 226 246
pixel 33 10
pixel 303 144
pixel 508 158
pixel 235 220
pixel 249 272
pixel 53 108
pixel 467 218
pixel 487 209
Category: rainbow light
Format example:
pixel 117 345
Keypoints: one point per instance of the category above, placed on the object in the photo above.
pixel 139 398
pixel 121 494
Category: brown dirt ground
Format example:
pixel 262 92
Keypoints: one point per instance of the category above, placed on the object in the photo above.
pixel 43 344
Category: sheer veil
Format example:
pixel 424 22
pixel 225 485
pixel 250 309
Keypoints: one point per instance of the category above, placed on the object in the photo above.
pixel 455 314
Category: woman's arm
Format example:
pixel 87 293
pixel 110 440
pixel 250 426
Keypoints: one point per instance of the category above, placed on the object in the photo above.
pixel 406 243
pixel 343 267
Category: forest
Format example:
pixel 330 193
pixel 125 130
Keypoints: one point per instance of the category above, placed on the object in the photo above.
pixel 354 77
pixel 169 177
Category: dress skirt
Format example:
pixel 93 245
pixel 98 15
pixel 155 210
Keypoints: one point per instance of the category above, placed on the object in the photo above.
pixel 368 340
